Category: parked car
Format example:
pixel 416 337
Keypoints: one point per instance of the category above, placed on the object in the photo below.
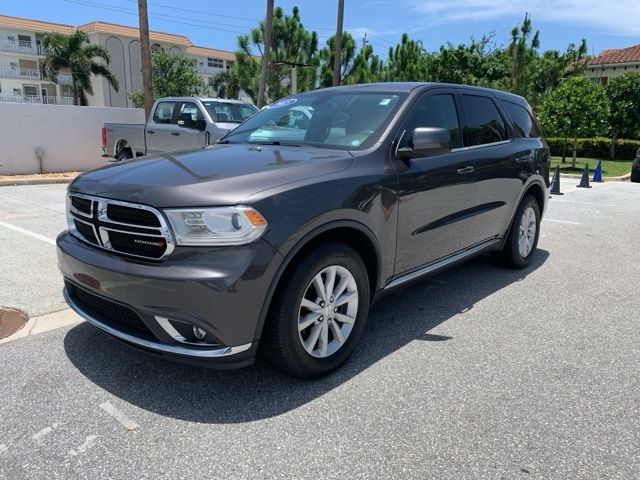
pixel 635 168
pixel 279 245
pixel 175 123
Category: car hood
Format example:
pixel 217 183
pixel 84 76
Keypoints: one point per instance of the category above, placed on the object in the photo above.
pixel 216 175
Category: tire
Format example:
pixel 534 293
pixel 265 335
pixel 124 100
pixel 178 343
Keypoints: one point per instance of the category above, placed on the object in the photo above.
pixel 283 342
pixel 635 175
pixel 517 251
pixel 124 154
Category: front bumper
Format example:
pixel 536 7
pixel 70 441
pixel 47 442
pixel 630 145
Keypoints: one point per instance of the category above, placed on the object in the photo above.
pixel 220 290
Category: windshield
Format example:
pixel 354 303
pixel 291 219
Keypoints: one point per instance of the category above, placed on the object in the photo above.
pixel 229 112
pixel 345 120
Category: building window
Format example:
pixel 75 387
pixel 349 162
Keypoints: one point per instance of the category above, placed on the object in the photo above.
pixel 156 47
pixel 229 64
pixel 24 40
pixel 31 90
pixel 215 62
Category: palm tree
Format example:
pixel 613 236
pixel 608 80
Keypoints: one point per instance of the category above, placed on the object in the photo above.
pixel 70 52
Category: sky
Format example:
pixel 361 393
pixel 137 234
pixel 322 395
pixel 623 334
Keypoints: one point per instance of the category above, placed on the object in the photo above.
pixel 216 24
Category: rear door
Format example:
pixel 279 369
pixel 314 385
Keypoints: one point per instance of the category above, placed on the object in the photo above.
pixel 163 122
pixel 437 193
pixel 487 137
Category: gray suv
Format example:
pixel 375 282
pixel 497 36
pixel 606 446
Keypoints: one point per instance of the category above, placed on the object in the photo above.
pixel 277 239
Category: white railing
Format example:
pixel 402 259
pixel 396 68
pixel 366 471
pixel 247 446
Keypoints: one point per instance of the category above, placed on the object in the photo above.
pixel 49 100
pixel 26 48
pixel 32 74
pixel 209 70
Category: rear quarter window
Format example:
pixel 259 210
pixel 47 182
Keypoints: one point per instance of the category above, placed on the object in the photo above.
pixel 522 120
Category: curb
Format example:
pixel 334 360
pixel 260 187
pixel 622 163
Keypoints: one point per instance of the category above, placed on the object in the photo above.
pixel 44 323
pixel 623 178
pixel 34 181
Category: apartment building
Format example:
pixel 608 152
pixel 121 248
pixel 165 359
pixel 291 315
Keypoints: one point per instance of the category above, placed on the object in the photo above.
pixel 22 52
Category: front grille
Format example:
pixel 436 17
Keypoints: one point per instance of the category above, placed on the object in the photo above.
pixel 120 227
pixel 86 231
pixel 81 204
pixel 152 247
pixel 104 309
pixel 120 213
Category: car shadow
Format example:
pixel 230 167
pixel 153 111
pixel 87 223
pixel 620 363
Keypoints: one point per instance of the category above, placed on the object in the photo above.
pixel 258 392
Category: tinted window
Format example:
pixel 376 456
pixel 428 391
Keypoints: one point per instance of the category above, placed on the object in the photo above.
pixel 522 120
pixel 229 112
pixel 164 112
pixel 483 123
pixel 434 111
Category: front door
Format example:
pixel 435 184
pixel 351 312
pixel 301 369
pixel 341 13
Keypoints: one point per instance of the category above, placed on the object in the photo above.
pixel 193 136
pixel 437 193
pixel 163 122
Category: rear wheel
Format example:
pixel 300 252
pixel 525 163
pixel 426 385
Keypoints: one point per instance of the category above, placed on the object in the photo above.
pixel 319 313
pixel 124 154
pixel 522 239
pixel 635 175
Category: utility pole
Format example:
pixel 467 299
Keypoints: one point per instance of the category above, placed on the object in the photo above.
pixel 294 80
pixel 364 40
pixel 145 54
pixel 268 26
pixel 337 66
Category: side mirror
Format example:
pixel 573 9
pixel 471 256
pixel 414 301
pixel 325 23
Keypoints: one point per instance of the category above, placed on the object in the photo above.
pixel 427 142
pixel 185 120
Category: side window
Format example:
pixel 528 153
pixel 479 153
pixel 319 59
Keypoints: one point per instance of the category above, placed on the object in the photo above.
pixel 191 109
pixel 434 111
pixel 164 112
pixel 522 119
pixel 483 123
pixel 190 116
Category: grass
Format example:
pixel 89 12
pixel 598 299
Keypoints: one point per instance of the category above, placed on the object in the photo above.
pixel 610 168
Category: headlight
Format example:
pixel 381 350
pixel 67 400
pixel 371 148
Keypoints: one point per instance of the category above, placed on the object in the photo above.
pixel 216 226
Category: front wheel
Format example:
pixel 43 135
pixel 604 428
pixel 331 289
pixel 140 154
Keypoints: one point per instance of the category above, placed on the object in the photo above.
pixel 319 313
pixel 522 239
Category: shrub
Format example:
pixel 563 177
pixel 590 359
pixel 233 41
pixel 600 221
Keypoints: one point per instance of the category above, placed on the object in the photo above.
pixel 597 147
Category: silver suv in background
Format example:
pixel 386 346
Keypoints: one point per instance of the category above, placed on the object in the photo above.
pixel 175 123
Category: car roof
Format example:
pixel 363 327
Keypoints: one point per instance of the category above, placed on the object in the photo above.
pixel 407 87
pixel 205 99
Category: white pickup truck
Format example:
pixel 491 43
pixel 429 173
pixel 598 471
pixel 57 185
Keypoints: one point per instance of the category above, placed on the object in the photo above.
pixel 175 123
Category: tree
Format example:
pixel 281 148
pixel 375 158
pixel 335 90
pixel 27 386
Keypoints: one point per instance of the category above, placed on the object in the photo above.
pixel 552 66
pixel 624 101
pixel 407 61
pixel 171 76
pixel 522 55
pixel 74 52
pixel 577 108
pixel 227 84
pixel 291 44
pixel 357 66
pixel 470 64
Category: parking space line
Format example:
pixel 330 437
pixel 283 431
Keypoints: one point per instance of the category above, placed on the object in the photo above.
pixel 88 443
pixel 3 448
pixel 559 221
pixel 585 203
pixel 45 431
pixel 29 233
pixel 119 416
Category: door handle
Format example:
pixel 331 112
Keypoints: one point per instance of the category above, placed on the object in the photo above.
pixel 175 134
pixel 463 171
pixel 151 131
pixel 523 159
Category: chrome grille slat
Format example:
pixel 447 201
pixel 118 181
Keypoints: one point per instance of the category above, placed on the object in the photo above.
pixel 126 233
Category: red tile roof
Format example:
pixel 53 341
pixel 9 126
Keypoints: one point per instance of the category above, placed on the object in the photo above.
pixel 618 55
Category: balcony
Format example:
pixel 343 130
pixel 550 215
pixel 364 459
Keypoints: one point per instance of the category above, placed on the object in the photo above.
pixel 23 48
pixel 49 100
pixel 32 74
pixel 209 70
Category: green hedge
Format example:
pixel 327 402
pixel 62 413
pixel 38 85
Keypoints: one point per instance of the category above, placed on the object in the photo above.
pixel 597 147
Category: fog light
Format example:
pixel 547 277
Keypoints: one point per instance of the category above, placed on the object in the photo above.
pixel 199 333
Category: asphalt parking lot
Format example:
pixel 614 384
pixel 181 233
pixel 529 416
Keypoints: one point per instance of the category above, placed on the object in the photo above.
pixel 478 372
